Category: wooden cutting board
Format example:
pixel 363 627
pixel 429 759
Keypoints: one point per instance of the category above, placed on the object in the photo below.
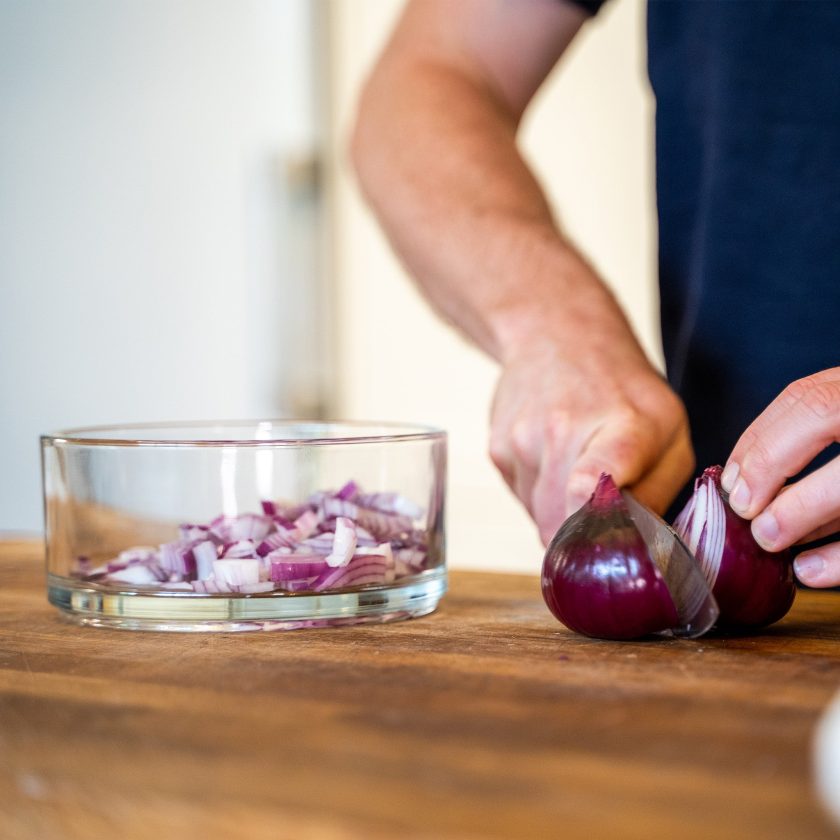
pixel 486 719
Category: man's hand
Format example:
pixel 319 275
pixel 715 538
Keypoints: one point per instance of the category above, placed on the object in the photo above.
pixel 435 151
pixel 800 423
pixel 561 418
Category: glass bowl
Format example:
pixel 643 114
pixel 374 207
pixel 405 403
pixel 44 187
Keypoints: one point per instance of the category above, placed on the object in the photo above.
pixel 246 525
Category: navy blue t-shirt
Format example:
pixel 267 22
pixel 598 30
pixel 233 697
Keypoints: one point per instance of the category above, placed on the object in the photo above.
pixel 748 194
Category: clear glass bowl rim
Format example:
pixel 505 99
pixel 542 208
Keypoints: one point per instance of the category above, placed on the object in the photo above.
pixel 353 432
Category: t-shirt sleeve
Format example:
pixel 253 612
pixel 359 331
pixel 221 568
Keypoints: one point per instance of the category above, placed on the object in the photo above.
pixel 590 6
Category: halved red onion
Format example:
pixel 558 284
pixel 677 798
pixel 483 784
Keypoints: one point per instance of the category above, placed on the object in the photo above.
pixel 753 587
pixel 616 571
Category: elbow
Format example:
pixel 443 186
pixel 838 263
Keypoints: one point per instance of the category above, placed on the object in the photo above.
pixel 373 145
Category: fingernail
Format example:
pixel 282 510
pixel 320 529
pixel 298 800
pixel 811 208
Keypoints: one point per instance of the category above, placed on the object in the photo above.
pixel 739 498
pixel 765 529
pixel 809 567
pixel 728 476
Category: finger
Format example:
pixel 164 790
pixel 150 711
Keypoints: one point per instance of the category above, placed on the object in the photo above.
pixel 502 457
pixel 516 476
pixel 820 567
pixel 825 530
pixel 797 425
pixel 801 509
pixel 528 442
pixel 791 397
pixel 625 448
pixel 659 487
pixel 561 447
pixel 523 486
pixel 500 444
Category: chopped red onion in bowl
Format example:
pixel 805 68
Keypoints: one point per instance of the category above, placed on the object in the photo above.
pixel 334 540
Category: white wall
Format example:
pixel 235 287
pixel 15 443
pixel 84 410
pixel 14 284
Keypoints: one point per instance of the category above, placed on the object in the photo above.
pixel 153 257
pixel 589 135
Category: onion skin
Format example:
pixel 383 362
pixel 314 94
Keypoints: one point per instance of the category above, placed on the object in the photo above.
pixel 753 587
pixel 598 577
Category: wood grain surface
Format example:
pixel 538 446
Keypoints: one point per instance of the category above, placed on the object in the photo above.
pixel 487 719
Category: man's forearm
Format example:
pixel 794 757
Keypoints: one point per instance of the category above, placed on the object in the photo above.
pixel 436 155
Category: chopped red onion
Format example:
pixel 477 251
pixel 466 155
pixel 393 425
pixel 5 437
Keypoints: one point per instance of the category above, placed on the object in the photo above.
pixel 349 491
pixel 137 573
pixel 250 526
pixel 306 524
pixel 412 557
pixel 384 526
pixel 241 548
pixel 237 572
pixel 255 588
pixel 390 503
pixel 208 587
pixel 193 532
pixel 139 554
pixel 205 555
pixel 336 539
pixel 320 544
pixel 296 566
pixel 281 538
pixel 298 585
pixel 177 558
pixel 344 543
pixel 331 507
pixel 372 567
pixel 365 538
pixel 382 550
pixel 268 508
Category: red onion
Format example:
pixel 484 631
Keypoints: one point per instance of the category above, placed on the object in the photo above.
pixel 614 570
pixel 753 587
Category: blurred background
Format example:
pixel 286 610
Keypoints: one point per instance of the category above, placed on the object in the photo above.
pixel 181 236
